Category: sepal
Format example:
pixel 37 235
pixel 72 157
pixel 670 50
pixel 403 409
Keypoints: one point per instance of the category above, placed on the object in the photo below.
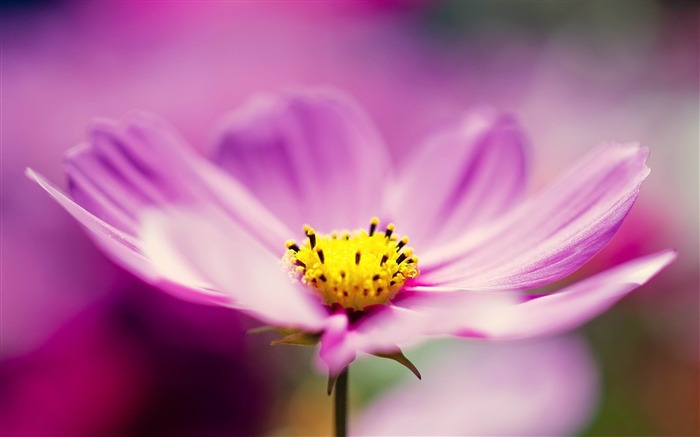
pixel 400 358
pixel 299 338
pixel 332 378
pixel 295 337
pixel 264 329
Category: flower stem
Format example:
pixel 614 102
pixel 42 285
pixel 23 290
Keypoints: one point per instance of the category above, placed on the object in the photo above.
pixel 341 404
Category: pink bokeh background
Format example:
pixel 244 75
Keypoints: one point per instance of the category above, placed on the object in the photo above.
pixel 573 81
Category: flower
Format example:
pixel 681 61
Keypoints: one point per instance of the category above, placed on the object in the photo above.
pixel 227 230
pixel 542 388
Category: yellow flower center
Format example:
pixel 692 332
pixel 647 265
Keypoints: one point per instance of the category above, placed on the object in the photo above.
pixel 355 269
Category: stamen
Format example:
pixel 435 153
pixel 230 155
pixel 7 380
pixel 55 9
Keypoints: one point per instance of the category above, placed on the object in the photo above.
pixel 400 259
pixel 291 245
pixel 373 225
pixel 312 237
pixel 402 243
pixel 389 230
pixel 354 270
pixel 408 253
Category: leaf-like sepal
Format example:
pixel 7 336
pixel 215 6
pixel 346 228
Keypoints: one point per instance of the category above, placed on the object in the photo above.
pixel 298 338
pixel 264 329
pixel 400 358
pixel 331 383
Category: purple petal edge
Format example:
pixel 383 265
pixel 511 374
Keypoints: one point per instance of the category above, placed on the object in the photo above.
pixel 552 234
pixel 125 249
pixel 576 304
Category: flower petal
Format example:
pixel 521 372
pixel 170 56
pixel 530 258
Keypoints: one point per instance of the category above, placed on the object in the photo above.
pixel 141 162
pixel 201 243
pixel 575 304
pixel 552 234
pixel 332 342
pixel 464 176
pixel 428 311
pixel 409 320
pixel 126 250
pixel 310 157
pixel 546 388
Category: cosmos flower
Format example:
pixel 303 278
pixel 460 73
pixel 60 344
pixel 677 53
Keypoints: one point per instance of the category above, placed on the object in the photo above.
pixel 301 220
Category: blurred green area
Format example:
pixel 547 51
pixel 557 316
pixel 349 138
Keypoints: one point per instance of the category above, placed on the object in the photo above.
pixel 597 22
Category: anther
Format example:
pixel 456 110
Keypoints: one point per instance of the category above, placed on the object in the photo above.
pixel 402 243
pixel 400 259
pixel 389 230
pixel 384 258
pixel 291 245
pixel 357 257
pixel 373 225
pixel 375 277
pixel 300 263
pixel 312 237
pixel 319 251
pixel 323 277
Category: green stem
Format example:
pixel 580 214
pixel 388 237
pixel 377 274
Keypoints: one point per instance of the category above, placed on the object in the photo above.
pixel 341 404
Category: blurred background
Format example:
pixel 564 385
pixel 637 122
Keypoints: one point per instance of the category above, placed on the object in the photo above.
pixel 87 349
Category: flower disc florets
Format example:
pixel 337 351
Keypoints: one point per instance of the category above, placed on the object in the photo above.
pixel 356 269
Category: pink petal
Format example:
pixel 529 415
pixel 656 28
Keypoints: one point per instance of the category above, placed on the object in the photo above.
pixel 141 163
pixel 428 311
pixel 577 303
pixel 552 234
pixel 126 250
pixel 310 157
pixel 410 320
pixel 546 388
pixel 187 244
pixel 462 177
pixel 331 342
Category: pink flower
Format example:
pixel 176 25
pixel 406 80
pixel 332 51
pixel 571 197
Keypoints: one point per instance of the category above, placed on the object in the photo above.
pixel 219 230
